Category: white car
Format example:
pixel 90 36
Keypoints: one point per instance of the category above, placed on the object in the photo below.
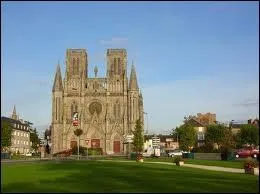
pixel 175 153
pixel 28 154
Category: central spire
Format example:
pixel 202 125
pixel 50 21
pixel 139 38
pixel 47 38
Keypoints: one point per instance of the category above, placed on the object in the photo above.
pixel 14 115
pixel 133 80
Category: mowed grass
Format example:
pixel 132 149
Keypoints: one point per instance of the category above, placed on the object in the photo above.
pixel 221 163
pixel 112 176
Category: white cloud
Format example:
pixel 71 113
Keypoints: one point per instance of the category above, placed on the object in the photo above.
pixel 114 41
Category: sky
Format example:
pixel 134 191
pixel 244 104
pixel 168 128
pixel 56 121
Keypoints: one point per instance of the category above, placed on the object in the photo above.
pixel 190 57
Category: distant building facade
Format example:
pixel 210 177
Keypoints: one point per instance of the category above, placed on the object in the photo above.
pixel 20 134
pixel 206 119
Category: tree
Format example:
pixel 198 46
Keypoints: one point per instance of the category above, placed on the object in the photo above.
pixel 228 140
pixel 34 138
pixel 175 134
pixel 6 135
pixel 249 134
pixel 78 132
pixel 188 118
pixel 186 136
pixel 215 134
pixel 138 140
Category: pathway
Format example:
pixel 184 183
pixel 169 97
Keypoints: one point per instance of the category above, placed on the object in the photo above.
pixel 215 168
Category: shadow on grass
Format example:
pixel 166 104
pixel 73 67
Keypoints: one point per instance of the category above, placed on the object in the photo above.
pixel 95 176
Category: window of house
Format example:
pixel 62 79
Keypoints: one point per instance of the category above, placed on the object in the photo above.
pixel 26 142
pixel 14 141
pixel 14 132
pixel 18 141
pixel 27 135
pixel 200 129
pixel 18 133
pixel 201 136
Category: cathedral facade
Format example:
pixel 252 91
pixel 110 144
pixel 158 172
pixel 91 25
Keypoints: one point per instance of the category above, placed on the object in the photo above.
pixel 107 107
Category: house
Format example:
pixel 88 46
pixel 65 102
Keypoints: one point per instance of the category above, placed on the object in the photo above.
pixel 236 126
pixel 200 129
pixel 163 141
pixel 20 134
pixel 206 119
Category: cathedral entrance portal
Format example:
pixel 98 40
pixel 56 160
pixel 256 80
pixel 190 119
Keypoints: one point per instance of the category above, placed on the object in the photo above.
pixel 116 146
pixel 95 143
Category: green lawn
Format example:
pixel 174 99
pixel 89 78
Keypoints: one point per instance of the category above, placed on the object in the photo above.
pixel 229 164
pixel 98 176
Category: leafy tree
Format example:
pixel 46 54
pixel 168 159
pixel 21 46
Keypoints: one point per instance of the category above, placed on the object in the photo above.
pixel 228 140
pixel 249 134
pixel 6 135
pixel 175 134
pixel 187 136
pixel 138 140
pixel 34 138
pixel 188 118
pixel 215 134
pixel 78 132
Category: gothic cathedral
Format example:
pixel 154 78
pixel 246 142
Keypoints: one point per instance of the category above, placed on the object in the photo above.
pixel 107 107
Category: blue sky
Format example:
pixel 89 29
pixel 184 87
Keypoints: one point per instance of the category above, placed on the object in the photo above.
pixel 190 57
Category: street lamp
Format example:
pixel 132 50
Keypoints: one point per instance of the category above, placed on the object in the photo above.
pixel 146 121
pixel 87 147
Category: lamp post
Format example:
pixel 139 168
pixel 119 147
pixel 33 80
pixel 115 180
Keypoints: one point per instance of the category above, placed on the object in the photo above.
pixel 146 121
pixel 87 147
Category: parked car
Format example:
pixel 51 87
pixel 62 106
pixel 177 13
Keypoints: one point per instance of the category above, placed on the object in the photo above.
pixel 28 154
pixel 249 152
pixel 145 154
pixel 175 153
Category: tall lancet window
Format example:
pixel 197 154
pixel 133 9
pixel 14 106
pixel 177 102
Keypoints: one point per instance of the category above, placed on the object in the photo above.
pixel 73 66
pixel 119 66
pixel 74 108
pixel 77 67
pixel 115 66
pixel 117 110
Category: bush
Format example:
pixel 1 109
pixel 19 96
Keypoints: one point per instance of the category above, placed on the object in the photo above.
pixel 63 153
pixel 95 151
pixel 81 150
pixel 177 159
pixel 250 163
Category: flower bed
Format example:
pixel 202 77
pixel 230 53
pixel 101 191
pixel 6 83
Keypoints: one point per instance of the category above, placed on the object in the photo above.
pixel 250 166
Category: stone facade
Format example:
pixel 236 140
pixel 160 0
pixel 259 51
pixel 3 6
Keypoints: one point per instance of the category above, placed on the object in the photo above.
pixel 108 107
pixel 20 134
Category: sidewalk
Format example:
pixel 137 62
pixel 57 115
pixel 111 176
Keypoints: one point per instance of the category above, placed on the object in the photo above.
pixel 215 168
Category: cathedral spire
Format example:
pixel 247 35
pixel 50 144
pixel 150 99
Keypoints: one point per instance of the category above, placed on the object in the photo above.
pixel 57 86
pixel 14 115
pixel 133 80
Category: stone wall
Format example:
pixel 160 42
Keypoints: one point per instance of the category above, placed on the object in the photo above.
pixel 207 156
